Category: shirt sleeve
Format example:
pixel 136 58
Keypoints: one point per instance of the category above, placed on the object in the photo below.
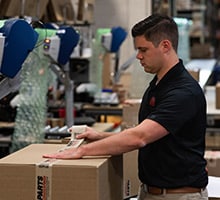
pixel 174 109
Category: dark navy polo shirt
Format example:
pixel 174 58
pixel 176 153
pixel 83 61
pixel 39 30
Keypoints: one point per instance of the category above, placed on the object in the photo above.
pixel 179 105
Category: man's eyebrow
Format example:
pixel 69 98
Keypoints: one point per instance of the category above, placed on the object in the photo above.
pixel 141 48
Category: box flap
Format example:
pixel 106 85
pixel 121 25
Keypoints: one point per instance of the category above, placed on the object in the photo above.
pixel 32 154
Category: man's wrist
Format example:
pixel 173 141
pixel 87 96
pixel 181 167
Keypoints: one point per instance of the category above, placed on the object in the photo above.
pixel 81 151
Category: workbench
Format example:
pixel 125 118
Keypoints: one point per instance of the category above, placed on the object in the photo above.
pixel 101 127
pixel 6 130
pixel 102 110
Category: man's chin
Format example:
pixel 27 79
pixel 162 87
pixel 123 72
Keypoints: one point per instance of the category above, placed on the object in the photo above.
pixel 148 70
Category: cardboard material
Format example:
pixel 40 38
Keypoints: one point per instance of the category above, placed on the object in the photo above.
pixel 61 11
pixel 32 8
pixel 26 175
pixel 217 95
pixel 130 159
pixel 200 50
pixel 130 112
pixel 86 11
pixel 106 71
pixel 130 174
pixel 213 162
pixel 212 140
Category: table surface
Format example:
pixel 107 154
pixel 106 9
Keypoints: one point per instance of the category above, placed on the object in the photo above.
pixel 101 127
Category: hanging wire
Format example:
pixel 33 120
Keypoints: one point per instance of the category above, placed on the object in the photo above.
pixel 39 24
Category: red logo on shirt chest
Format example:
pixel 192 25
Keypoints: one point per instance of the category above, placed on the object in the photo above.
pixel 152 101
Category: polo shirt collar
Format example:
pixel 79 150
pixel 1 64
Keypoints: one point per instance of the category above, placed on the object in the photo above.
pixel 176 69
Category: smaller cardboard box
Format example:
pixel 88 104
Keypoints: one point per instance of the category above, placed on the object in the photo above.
pixel 213 162
pixel 130 159
pixel 26 175
pixel 130 174
pixel 130 113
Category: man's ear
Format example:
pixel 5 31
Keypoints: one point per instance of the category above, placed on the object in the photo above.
pixel 166 45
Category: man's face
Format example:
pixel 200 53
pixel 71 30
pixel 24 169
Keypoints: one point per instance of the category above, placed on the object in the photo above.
pixel 150 56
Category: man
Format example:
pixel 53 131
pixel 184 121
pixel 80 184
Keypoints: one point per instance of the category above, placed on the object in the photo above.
pixel 172 121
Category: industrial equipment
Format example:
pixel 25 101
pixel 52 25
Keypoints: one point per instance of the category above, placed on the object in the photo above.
pixel 17 40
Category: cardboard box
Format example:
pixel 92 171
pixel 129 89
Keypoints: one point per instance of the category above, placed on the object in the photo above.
pixel 130 174
pixel 199 51
pixel 26 175
pixel 212 140
pixel 130 112
pixel 217 96
pixel 61 11
pixel 86 11
pixel 213 162
pixel 32 8
pixel 130 159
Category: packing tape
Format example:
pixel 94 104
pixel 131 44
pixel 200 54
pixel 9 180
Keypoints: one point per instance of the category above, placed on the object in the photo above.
pixel 44 171
pixel 44 179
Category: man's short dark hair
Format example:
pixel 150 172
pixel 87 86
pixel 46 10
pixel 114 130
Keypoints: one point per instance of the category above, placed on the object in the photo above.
pixel 156 28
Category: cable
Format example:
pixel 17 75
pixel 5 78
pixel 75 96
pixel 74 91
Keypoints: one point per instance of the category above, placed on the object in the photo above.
pixel 39 24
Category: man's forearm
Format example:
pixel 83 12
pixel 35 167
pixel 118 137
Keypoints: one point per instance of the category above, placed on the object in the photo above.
pixel 106 134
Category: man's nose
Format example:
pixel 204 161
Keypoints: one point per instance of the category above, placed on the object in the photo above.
pixel 139 56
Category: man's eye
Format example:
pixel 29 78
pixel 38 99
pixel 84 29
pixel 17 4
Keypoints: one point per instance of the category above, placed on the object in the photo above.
pixel 143 50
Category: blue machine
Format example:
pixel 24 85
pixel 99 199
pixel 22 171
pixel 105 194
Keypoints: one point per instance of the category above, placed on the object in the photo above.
pixel 17 40
pixel 69 41
pixel 58 46
pixel 61 43
pixel 113 40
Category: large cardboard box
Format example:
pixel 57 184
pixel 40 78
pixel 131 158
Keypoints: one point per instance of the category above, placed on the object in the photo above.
pixel 25 175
